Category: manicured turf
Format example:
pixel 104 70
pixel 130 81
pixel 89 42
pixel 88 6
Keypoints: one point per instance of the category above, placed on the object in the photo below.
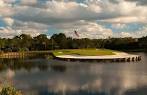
pixel 84 52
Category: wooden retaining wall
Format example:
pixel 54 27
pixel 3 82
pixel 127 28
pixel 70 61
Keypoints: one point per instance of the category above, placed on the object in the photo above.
pixel 24 54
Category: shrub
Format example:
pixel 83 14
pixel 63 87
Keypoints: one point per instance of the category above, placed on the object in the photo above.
pixel 10 91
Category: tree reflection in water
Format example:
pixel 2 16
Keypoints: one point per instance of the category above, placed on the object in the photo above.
pixel 41 64
pixel 59 68
pixel 50 77
pixel 137 91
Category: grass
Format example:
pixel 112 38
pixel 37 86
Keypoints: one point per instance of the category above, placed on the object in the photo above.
pixel 84 52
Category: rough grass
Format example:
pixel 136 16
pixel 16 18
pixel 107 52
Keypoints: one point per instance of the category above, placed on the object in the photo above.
pixel 84 52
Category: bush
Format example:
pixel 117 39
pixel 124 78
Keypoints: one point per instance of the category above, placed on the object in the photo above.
pixel 10 91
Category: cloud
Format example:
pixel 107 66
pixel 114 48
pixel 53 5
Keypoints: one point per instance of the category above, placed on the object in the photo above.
pixel 125 34
pixel 9 21
pixel 2 4
pixel 59 12
pixel 6 11
pixel 55 12
pixel 28 2
pixel 18 27
pixel 139 2
pixel 31 28
pixel 142 32
pixel 125 20
pixel 118 26
pixel 85 29
pixel 8 32
pixel 67 15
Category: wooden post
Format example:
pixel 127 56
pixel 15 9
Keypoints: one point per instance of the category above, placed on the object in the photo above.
pixel 128 60
pixel 133 59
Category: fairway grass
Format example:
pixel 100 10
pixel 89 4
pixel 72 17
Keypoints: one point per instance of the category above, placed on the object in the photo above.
pixel 84 52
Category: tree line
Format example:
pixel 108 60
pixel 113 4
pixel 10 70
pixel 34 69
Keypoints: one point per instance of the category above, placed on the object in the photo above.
pixel 25 42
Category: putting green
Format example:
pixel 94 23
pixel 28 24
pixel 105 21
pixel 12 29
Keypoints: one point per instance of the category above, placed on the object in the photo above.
pixel 84 52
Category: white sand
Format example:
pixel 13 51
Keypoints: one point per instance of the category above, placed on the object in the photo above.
pixel 117 55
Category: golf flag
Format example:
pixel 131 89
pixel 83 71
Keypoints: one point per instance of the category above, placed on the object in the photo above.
pixel 76 33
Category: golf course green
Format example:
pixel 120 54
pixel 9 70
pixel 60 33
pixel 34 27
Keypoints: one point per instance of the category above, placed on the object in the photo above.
pixel 84 52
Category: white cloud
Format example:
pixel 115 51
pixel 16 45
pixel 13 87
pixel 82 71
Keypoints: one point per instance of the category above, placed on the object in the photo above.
pixel 118 26
pixel 9 21
pixel 5 3
pixel 85 30
pixel 31 28
pixel 28 2
pixel 8 32
pixel 125 20
pixel 140 2
pixel 6 11
pixel 32 31
pixel 125 34
pixel 142 32
pixel 67 16
pixel 69 11
pixel 18 27
pixel 2 4
pixel 55 12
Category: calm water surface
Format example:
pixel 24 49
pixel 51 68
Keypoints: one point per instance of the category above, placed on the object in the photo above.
pixel 52 77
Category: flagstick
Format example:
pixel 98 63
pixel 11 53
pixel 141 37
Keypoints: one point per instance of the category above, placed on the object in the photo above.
pixel 52 44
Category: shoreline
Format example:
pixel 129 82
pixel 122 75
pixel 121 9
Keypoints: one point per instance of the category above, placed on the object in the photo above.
pixel 118 57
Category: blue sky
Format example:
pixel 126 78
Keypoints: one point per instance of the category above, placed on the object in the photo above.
pixel 91 18
pixel 129 27
pixel 2 23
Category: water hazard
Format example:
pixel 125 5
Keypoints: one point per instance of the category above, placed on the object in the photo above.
pixel 51 77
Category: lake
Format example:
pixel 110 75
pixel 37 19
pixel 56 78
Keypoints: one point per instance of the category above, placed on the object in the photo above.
pixel 39 76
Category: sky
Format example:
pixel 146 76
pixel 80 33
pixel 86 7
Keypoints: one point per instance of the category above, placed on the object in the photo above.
pixel 90 18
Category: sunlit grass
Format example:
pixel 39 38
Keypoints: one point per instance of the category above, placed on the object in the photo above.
pixel 84 52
